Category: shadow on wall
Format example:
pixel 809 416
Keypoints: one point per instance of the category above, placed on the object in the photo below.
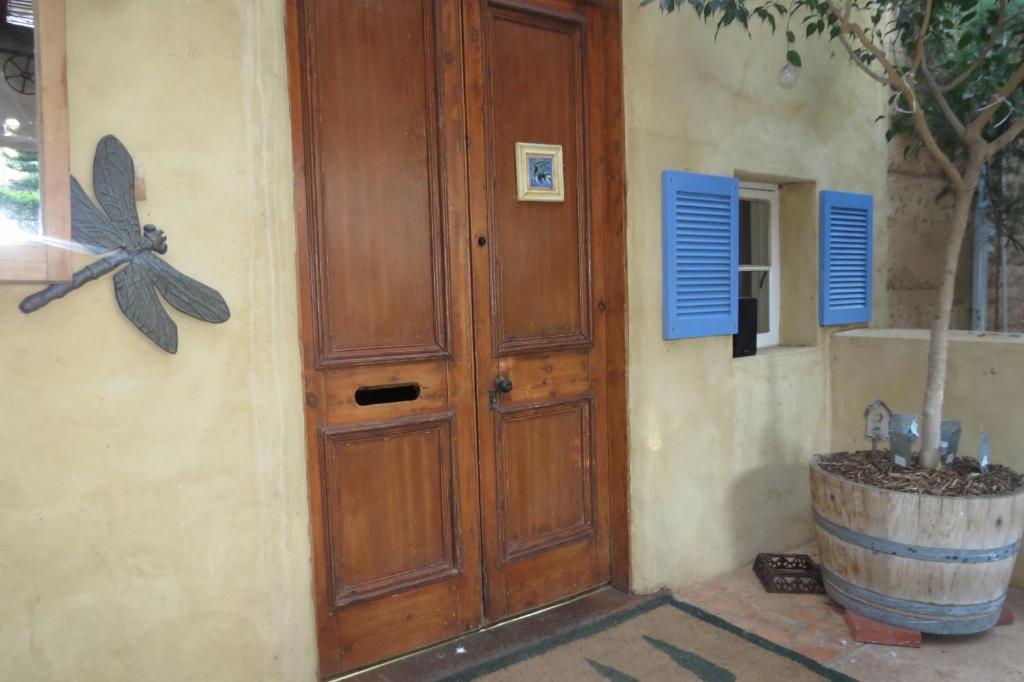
pixel 781 421
pixel 772 510
pixel 776 436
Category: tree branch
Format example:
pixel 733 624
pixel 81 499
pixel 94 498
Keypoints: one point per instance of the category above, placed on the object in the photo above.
pixel 921 35
pixel 900 84
pixel 996 32
pixel 951 116
pixel 975 127
pixel 846 26
pixel 1006 138
pixel 860 64
pixel 921 123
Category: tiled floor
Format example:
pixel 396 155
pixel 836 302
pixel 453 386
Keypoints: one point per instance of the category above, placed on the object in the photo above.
pixel 814 626
pixel 808 623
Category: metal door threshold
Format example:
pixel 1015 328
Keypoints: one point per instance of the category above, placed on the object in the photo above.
pixel 447 658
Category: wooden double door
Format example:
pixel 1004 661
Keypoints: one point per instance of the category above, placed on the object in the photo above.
pixel 454 336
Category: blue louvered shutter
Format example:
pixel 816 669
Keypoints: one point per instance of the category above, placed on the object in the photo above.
pixel 847 222
pixel 700 226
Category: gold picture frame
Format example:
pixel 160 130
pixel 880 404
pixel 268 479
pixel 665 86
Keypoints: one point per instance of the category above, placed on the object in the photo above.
pixel 539 172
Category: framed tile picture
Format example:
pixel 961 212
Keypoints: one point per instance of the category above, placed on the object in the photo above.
pixel 539 172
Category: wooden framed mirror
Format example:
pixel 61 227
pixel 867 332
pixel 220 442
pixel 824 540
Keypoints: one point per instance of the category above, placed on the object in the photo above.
pixel 35 213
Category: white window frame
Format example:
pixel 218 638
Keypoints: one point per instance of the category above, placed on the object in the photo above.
pixel 759 191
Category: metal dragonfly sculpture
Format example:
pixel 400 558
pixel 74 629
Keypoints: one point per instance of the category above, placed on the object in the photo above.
pixel 113 231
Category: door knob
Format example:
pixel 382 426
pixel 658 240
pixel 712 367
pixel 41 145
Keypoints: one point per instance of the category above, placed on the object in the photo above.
pixel 503 384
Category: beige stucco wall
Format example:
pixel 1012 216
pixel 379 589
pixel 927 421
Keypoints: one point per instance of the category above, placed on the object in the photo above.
pixel 983 387
pixel 153 512
pixel 719 446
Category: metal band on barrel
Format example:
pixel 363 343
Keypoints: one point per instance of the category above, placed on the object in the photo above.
pixel 942 554
pixel 943 619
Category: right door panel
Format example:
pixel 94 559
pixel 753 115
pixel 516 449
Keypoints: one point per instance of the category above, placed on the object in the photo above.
pixel 539 332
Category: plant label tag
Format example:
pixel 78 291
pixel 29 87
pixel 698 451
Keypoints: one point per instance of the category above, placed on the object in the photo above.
pixel 950 440
pixel 985 451
pixel 903 434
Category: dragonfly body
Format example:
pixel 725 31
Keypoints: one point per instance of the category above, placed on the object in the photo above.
pixel 92 271
pixel 114 230
pixel 157 242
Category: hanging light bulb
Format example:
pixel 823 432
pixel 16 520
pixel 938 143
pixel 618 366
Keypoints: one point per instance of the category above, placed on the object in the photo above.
pixel 788 75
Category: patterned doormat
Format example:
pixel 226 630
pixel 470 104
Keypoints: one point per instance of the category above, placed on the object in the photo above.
pixel 662 639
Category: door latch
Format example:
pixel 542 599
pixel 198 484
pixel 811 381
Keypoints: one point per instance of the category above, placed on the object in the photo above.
pixel 501 385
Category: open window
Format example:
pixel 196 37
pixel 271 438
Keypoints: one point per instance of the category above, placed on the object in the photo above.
pixel 34 174
pixel 759 276
pixel 725 264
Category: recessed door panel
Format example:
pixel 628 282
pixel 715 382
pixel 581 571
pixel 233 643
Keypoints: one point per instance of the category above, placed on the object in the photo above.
pixel 381 287
pixel 539 265
pixel 545 477
pixel 389 507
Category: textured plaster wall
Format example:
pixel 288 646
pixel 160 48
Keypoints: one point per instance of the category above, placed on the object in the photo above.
pixel 1014 322
pixel 153 513
pixel 918 228
pixel 983 387
pixel 719 446
pixel 1014 289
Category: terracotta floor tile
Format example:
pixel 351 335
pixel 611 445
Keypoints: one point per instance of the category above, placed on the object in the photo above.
pixel 819 653
pixel 770 633
pixel 805 622
pixel 808 614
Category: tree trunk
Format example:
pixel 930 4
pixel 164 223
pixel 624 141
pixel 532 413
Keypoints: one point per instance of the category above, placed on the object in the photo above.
pixel 935 388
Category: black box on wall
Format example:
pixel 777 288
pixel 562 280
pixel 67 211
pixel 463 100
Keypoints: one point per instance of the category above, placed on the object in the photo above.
pixel 744 342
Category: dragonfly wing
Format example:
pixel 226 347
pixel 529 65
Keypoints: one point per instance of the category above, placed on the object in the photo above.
pixel 136 295
pixel 90 227
pixel 113 179
pixel 184 293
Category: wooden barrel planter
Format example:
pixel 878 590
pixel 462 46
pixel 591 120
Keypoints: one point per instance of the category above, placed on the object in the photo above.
pixel 923 562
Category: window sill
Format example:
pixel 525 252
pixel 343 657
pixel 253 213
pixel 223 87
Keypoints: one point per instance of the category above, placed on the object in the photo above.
pixel 779 351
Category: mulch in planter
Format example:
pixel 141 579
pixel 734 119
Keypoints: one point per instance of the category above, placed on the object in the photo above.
pixel 964 478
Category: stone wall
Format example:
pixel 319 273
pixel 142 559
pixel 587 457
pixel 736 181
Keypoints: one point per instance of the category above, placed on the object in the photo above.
pixel 918 228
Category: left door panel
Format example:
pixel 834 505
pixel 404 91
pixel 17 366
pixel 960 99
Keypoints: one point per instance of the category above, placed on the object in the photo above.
pixel 378 115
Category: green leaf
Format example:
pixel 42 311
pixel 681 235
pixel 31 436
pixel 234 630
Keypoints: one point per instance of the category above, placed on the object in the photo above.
pixel 811 28
pixel 790 37
pixel 793 57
